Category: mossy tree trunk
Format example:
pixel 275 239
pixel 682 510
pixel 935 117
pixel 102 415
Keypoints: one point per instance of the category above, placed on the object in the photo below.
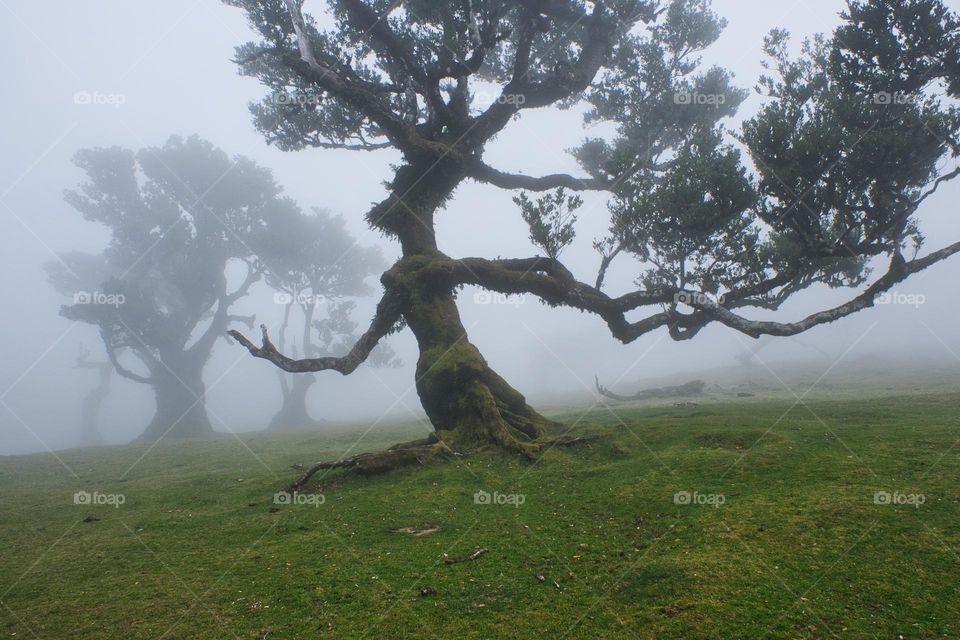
pixel 467 402
pixel 469 405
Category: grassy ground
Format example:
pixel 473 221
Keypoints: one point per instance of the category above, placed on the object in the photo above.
pixel 797 549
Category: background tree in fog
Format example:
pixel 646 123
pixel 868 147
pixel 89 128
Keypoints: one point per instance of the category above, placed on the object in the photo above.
pixel 90 432
pixel 180 217
pixel 76 275
pixel 854 134
pixel 315 266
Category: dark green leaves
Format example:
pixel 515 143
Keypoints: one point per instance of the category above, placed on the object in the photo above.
pixel 550 219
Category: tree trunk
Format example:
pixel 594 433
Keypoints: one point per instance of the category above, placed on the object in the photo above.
pixel 181 403
pixel 467 402
pixel 293 414
pixel 90 408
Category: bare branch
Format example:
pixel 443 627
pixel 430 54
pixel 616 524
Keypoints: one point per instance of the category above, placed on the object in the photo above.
pixel 122 370
pixel 898 271
pixel 483 172
pixel 548 279
pixel 370 146
pixel 386 317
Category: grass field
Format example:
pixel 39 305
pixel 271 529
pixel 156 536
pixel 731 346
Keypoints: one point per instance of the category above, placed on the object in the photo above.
pixel 782 536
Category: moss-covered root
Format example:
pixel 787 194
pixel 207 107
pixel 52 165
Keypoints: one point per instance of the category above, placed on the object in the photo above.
pixel 373 463
pixel 472 407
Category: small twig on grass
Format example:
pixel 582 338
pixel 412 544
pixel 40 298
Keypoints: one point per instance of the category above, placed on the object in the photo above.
pixel 473 556
pixel 418 533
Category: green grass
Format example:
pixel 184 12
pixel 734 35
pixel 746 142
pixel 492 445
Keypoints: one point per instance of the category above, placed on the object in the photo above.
pixel 799 549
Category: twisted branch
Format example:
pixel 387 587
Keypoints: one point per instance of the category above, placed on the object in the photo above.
pixel 386 316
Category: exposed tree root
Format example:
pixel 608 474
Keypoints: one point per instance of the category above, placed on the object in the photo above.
pixel 568 441
pixel 371 463
pixel 418 452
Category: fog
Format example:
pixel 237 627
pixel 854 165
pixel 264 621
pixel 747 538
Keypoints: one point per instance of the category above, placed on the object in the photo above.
pixel 167 70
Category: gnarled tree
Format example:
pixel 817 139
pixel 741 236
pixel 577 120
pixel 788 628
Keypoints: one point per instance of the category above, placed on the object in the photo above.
pixel 846 148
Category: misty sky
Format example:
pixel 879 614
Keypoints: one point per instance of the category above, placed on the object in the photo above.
pixel 166 68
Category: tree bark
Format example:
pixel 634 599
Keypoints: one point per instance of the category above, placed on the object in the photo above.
pixel 181 402
pixel 90 407
pixel 467 402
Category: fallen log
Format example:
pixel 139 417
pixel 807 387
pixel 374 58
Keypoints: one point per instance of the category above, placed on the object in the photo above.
pixel 692 388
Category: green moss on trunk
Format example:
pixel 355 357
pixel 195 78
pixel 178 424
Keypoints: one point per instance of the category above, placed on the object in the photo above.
pixel 468 403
